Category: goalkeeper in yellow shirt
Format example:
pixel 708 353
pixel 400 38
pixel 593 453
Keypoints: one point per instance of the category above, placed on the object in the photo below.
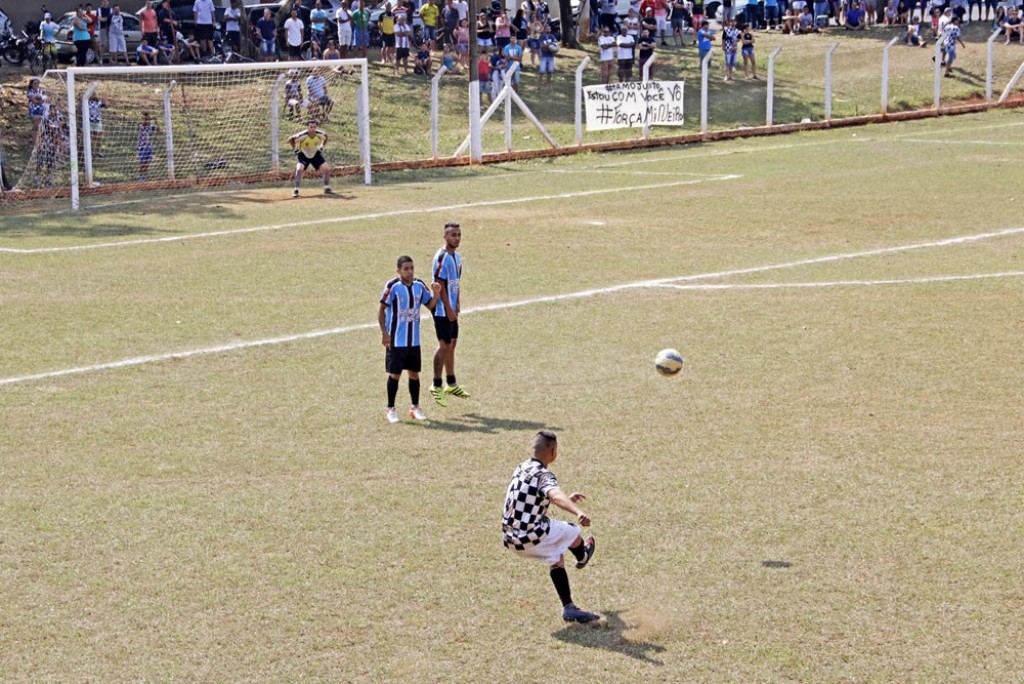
pixel 308 146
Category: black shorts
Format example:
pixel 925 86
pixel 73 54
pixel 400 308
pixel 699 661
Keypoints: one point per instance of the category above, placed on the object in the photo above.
pixel 317 161
pixel 294 50
pixel 388 39
pixel 398 359
pixel 204 31
pixel 402 53
pixel 446 330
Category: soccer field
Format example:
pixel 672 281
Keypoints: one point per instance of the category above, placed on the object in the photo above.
pixel 197 482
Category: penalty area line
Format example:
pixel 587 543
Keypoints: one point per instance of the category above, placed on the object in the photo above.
pixel 373 216
pixel 498 306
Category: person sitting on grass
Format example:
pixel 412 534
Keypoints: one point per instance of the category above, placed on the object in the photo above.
pixel 1014 26
pixel 914 36
pixel 423 60
pixel 146 53
pixel 193 48
pixel 891 13
pixel 807 22
pixel 855 18
pixel 449 61
pixel 331 51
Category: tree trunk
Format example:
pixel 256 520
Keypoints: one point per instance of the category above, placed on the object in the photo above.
pixel 568 24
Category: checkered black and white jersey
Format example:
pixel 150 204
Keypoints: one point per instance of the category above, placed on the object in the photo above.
pixel 526 505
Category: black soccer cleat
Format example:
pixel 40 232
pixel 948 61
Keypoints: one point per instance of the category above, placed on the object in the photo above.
pixel 573 614
pixel 589 546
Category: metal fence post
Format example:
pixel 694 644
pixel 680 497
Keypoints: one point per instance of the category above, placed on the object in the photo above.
pixel 579 99
pixel 645 77
pixel 275 123
pixel 769 110
pixel 828 81
pixel 509 79
pixel 168 130
pixel 705 64
pixel 87 132
pixel 988 64
pixel 434 114
pixel 885 72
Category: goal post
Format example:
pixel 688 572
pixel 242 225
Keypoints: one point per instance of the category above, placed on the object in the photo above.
pixel 146 129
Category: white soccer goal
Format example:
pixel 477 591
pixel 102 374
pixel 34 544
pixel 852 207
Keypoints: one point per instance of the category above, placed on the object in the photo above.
pixel 116 130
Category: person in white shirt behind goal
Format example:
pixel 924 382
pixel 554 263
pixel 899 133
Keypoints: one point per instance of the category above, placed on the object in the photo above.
pixel 308 146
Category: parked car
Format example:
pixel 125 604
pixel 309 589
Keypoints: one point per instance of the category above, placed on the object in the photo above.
pixel 376 10
pixel 5 24
pixel 183 15
pixel 66 50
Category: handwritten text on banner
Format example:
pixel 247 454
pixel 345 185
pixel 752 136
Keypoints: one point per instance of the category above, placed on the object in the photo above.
pixel 634 105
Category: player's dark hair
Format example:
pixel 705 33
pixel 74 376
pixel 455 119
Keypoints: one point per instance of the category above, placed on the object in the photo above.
pixel 450 226
pixel 543 442
pixel 402 260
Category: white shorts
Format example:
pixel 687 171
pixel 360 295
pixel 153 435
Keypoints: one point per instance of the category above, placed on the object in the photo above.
pixel 117 43
pixel 556 542
pixel 345 35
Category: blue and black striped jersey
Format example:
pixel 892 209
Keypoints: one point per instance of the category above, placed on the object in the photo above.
pixel 447 268
pixel 402 312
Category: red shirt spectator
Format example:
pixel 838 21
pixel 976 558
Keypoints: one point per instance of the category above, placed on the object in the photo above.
pixel 148 19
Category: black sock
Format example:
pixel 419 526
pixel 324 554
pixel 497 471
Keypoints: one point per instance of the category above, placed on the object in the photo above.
pixel 560 578
pixel 392 391
pixel 414 391
pixel 580 551
pixel 451 381
pixel 437 383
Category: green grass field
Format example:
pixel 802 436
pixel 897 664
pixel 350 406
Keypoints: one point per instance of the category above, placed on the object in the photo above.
pixel 197 482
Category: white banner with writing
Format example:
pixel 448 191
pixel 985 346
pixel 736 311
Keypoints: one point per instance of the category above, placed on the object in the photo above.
pixel 634 105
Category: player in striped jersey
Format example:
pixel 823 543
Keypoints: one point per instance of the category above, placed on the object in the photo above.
pixel 447 271
pixel 528 532
pixel 399 319
pixel 308 146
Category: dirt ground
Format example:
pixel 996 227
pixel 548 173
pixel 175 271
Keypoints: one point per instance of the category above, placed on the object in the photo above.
pixel 15 127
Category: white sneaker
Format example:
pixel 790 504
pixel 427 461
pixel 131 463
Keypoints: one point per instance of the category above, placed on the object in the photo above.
pixel 392 414
pixel 417 413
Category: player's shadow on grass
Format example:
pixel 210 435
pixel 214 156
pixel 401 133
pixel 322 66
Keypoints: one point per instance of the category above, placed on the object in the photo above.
pixel 474 422
pixel 611 638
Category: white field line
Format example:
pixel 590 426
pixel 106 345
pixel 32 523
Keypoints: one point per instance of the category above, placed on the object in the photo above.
pixel 933 141
pixel 842 257
pixel 958 129
pixel 843 283
pixel 676 174
pixel 709 178
pixel 683 156
pixel 500 306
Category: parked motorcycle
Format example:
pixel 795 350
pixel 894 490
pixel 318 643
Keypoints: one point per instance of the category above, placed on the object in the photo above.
pixel 20 48
pixel 26 48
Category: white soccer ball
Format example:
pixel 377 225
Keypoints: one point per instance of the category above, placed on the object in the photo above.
pixel 668 362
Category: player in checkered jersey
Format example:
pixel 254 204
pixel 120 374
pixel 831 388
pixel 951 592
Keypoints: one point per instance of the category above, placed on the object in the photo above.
pixel 528 532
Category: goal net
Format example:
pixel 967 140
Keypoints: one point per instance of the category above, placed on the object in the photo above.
pixel 117 130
